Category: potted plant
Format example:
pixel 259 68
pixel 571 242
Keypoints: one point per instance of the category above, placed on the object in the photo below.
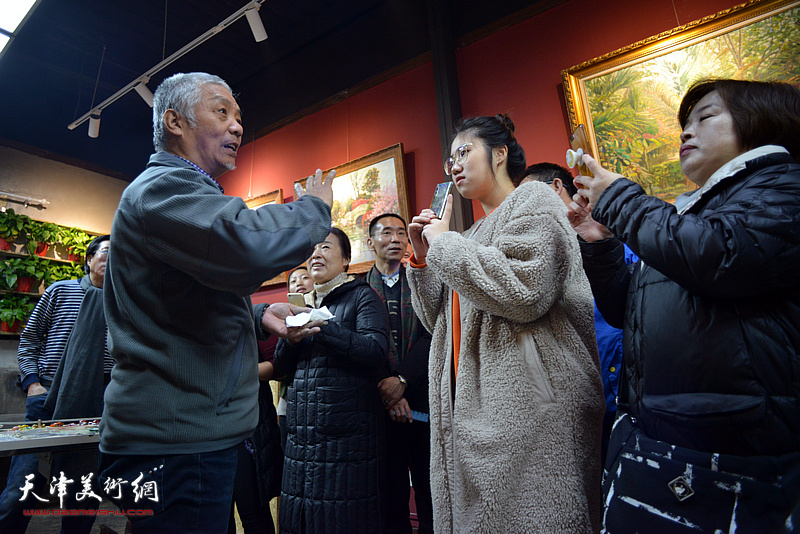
pixel 14 310
pixel 19 274
pixel 11 225
pixel 38 269
pixel 41 235
pixel 10 273
pixel 76 241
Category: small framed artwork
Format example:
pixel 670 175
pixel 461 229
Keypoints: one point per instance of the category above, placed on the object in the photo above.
pixel 273 197
pixel 363 188
pixel 628 99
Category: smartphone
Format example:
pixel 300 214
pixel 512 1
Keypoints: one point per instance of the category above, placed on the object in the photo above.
pixel 296 299
pixel 440 198
pixel 580 146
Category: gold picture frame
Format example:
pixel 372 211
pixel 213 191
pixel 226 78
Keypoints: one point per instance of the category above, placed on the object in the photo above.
pixel 363 188
pixel 273 197
pixel 628 99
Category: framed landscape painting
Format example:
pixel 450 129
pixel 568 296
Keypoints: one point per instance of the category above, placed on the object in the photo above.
pixel 362 189
pixel 628 99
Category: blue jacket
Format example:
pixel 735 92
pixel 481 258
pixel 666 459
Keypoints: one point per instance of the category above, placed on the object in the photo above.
pixel 609 346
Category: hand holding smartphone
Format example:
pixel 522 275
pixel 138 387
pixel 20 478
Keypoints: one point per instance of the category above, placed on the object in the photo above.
pixel 440 198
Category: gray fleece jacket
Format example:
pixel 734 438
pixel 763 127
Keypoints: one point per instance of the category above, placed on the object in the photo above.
pixel 515 441
pixel 184 260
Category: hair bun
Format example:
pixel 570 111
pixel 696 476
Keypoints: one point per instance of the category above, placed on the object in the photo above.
pixel 505 120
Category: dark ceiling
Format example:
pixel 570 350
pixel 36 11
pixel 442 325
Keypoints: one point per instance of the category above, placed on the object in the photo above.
pixel 316 50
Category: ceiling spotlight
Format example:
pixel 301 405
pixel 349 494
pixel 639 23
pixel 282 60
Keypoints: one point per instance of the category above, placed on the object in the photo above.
pixel 256 26
pixel 94 125
pixel 249 10
pixel 145 93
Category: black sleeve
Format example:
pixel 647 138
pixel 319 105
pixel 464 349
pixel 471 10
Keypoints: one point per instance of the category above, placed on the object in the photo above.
pixel 368 344
pixel 745 246
pixel 286 354
pixel 604 264
pixel 414 367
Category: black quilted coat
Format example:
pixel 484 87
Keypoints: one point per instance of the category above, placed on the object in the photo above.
pixel 334 447
pixel 711 315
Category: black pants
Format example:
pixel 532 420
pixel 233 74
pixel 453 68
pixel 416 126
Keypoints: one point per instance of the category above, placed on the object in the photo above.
pixel 408 447
pixel 256 518
pixel 652 486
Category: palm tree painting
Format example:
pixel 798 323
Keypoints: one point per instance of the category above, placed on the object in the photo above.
pixel 633 109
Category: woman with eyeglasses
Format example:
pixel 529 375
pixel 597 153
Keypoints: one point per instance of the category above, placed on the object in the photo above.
pixel 515 394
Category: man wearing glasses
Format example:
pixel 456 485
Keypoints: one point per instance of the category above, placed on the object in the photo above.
pixel 407 440
pixel 45 339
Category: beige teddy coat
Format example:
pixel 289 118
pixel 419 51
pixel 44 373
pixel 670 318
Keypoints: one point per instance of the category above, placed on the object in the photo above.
pixel 518 450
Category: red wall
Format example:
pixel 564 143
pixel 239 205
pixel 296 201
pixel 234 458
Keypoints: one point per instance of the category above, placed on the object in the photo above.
pixel 517 70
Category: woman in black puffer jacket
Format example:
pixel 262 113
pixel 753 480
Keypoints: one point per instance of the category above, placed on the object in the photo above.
pixel 709 433
pixel 334 446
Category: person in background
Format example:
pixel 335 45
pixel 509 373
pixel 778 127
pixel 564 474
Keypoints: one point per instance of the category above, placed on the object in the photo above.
pixel 557 177
pixel 515 393
pixel 708 436
pixel 184 392
pixel 407 255
pixel 299 281
pixel 78 386
pixel 408 446
pixel 41 347
pixel 260 463
pixel 335 444
pixel 609 339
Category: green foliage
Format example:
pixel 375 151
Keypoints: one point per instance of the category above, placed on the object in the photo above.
pixel 15 308
pixel 41 232
pixel 28 267
pixel 65 271
pixel 371 180
pixel 75 239
pixel 11 224
pixel 634 109
pixel 11 271
pixel 337 210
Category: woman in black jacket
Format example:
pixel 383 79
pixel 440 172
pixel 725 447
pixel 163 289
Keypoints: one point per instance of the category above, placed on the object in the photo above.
pixel 709 436
pixel 334 445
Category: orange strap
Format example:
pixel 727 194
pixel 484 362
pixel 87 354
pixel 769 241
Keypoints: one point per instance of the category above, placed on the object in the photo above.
pixel 413 262
pixel 456 331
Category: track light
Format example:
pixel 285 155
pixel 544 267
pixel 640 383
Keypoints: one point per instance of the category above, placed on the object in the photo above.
pixel 145 93
pixel 249 10
pixel 94 125
pixel 256 26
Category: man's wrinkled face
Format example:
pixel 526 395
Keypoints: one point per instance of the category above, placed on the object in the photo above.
pixel 215 138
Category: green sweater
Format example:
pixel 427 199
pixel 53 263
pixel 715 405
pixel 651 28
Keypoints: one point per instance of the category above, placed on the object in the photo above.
pixel 184 260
